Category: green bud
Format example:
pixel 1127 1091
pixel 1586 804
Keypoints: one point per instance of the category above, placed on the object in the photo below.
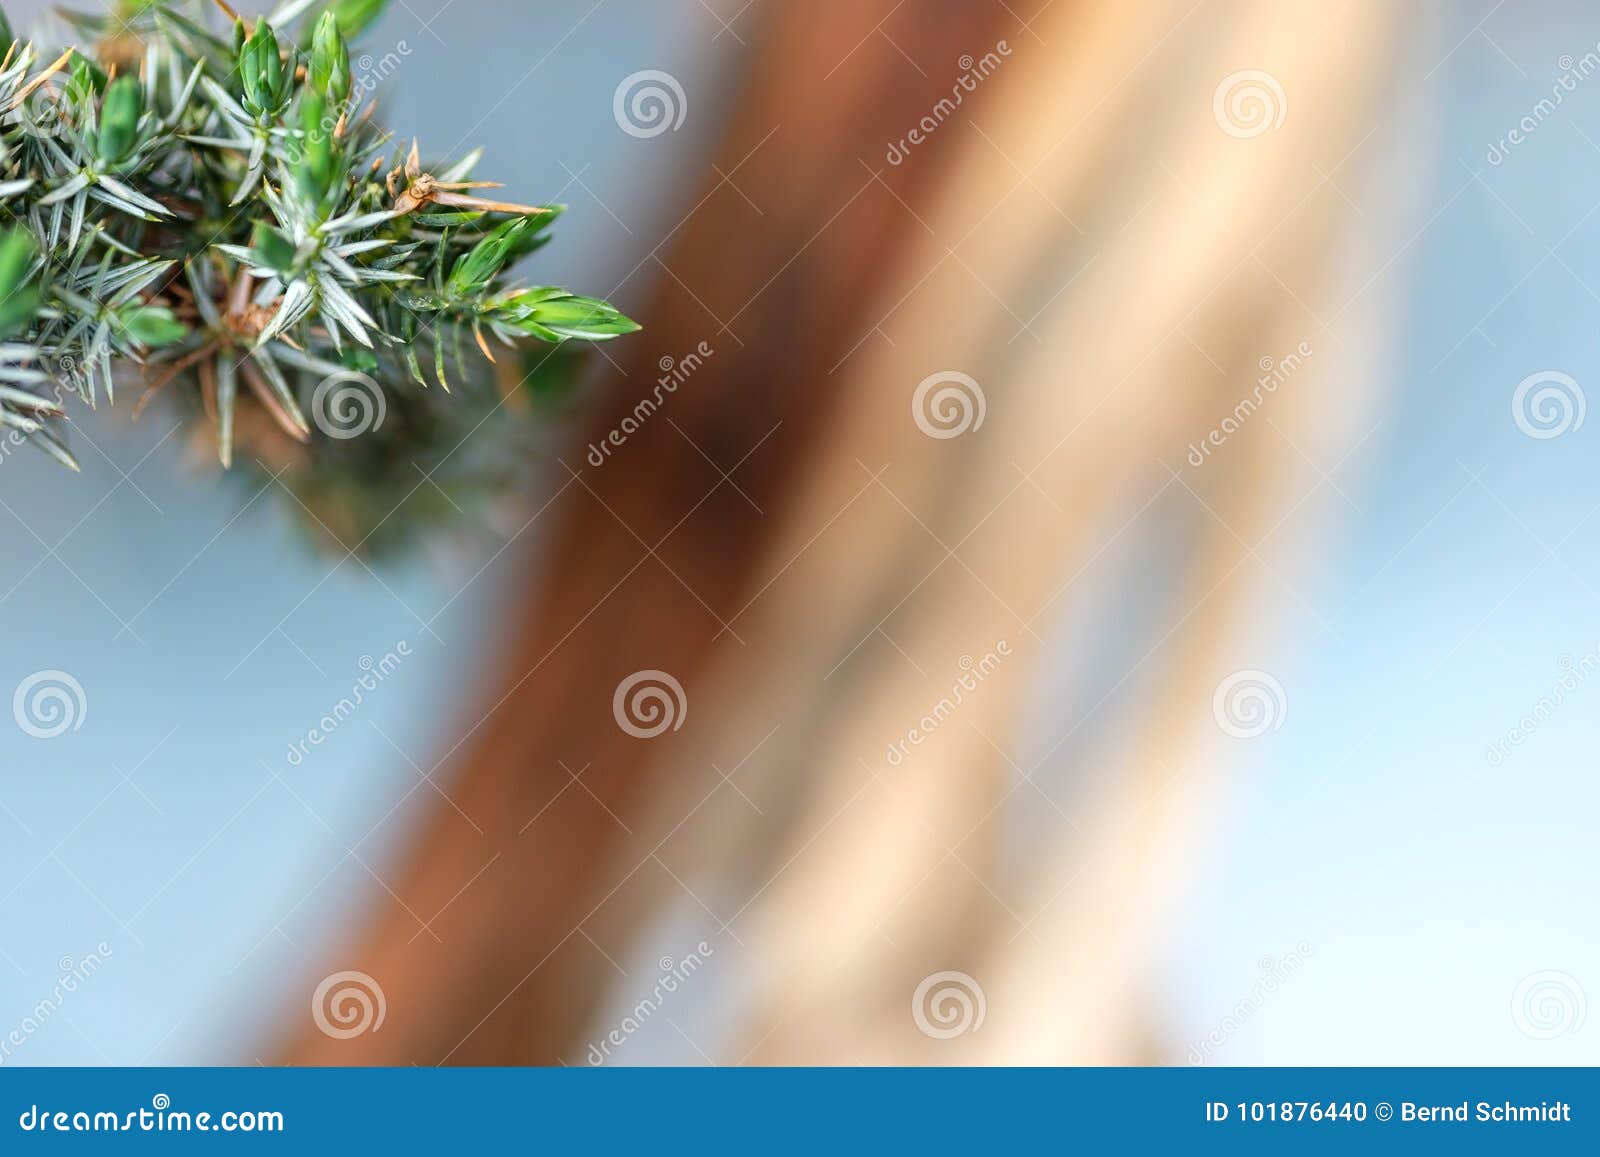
pixel 84 77
pixel 19 295
pixel 119 118
pixel 249 73
pixel 330 61
pixel 314 173
pixel 476 268
pixel 153 325
pixel 269 62
pixel 555 315
pixel 262 69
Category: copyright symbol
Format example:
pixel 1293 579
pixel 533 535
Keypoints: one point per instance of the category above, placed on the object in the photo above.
pixel 1384 1110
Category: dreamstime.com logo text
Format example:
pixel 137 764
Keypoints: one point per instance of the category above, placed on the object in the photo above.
pixel 73 974
pixel 160 1117
pixel 1574 673
pixel 673 975
pixel 973 672
pixel 1273 375
pixel 1275 973
pixel 674 372
pixel 973 73
pixel 375 671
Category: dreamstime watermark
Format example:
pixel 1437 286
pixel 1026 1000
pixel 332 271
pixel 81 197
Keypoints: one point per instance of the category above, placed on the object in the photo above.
pixel 1549 1004
pixel 674 372
pixel 1273 375
pixel 15 437
pixel 73 973
pixel 374 672
pixel 347 1004
pixel 649 702
pixel 16 369
pixel 1249 703
pixel 370 71
pixel 1548 404
pixel 48 704
pixel 973 73
pixel 948 404
pixel 1249 103
pixel 1275 973
pixel 973 672
pixel 673 975
pixel 38 114
pixel 1574 673
pixel 1573 72
pixel 347 404
pixel 948 1004
pixel 160 1117
pixel 648 103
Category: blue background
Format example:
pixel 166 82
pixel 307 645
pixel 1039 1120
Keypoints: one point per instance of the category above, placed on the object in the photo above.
pixel 1427 881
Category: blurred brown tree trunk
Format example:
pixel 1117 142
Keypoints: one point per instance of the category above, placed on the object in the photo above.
pixel 777 266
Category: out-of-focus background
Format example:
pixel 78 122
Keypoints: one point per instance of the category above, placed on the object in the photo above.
pixel 1384 851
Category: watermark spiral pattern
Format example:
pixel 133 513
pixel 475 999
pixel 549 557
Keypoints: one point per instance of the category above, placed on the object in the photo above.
pixel 1548 404
pixel 1249 103
pixel 1249 703
pixel 1549 1004
pixel 348 1004
pixel 948 1004
pixel 648 703
pixel 347 404
pixel 48 704
pixel 39 113
pixel 648 103
pixel 948 404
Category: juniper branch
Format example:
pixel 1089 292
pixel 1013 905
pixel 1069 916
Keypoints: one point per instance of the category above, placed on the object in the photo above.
pixel 219 216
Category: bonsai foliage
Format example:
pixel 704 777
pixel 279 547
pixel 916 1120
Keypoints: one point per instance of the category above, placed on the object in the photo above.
pixel 212 214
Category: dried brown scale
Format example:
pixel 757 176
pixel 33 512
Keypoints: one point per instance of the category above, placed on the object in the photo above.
pixel 28 89
pixel 426 189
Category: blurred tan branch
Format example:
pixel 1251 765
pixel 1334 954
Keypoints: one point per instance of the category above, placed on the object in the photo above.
pixel 1103 254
